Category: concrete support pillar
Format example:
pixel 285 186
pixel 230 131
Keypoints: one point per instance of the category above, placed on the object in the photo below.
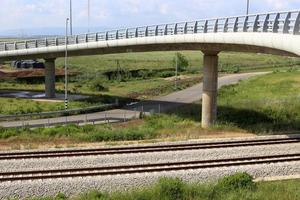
pixel 210 89
pixel 50 78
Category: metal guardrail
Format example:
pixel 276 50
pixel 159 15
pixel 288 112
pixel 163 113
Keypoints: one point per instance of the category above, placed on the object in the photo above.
pixel 277 22
pixel 104 117
pixel 58 113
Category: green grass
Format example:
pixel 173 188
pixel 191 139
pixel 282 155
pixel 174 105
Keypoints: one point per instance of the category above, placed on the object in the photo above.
pixel 234 187
pixel 134 89
pixel 263 104
pixel 22 106
pixel 266 104
pixel 161 60
pixel 149 129
pixel 92 67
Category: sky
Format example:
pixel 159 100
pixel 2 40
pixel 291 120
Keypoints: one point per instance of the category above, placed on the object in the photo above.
pixel 23 15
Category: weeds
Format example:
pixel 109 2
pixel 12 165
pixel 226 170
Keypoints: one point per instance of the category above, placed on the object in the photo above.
pixel 234 187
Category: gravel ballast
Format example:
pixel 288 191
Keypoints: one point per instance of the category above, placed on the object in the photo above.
pixel 138 158
pixel 71 186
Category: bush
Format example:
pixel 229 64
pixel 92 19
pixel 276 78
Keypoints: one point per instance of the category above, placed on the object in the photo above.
pixel 60 196
pixel 171 188
pixel 144 74
pixel 166 74
pixel 98 85
pixel 93 195
pixel 182 62
pixel 239 181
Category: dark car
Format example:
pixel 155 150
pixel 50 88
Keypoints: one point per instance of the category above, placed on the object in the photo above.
pixel 28 64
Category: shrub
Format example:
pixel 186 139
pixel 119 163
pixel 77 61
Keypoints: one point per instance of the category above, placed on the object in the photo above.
pixel 93 195
pixel 98 84
pixel 235 182
pixel 60 196
pixel 182 62
pixel 166 74
pixel 144 74
pixel 171 188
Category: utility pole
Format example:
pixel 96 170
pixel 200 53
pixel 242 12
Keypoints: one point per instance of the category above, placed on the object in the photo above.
pixel 176 70
pixel 248 4
pixel 66 66
pixel 71 18
pixel 89 15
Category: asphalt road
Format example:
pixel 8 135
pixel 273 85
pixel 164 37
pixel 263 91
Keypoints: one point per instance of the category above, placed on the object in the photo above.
pixel 160 104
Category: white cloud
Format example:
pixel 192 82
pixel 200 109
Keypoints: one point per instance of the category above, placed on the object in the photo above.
pixel 17 14
pixel 164 9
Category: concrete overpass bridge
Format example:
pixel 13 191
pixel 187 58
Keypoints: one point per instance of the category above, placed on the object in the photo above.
pixel 270 33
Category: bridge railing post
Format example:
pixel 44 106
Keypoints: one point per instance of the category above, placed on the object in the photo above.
pixel 117 35
pixel 166 30
pixel 245 26
pixel 185 28
pixel 86 38
pixel 137 32
pixel 297 25
pixel 266 23
pixel 255 24
pixel 146 31
pixel 225 29
pixel 276 23
pixel 156 31
pixel 196 27
pixel 236 24
pixel 216 26
pixel 286 26
pixel 205 26
pixel 175 29
pixel 126 34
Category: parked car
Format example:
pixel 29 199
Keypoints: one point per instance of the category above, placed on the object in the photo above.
pixel 27 64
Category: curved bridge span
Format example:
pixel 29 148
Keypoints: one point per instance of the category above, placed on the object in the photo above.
pixel 271 33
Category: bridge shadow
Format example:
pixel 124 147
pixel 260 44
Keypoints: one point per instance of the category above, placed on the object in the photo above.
pixel 245 119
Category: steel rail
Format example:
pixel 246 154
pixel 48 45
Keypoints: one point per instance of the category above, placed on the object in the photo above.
pixel 143 149
pixel 145 168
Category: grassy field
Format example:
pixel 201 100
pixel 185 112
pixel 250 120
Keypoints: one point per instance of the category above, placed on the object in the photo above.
pixel 267 104
pixel 134 89
pixel 234 187
pixel 91 81
pixel 161 60
pixel 23 106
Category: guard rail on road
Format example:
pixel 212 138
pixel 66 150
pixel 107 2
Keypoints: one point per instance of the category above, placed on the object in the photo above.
pixel 58 113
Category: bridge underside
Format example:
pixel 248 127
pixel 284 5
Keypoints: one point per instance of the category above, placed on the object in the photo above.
pixel 212 47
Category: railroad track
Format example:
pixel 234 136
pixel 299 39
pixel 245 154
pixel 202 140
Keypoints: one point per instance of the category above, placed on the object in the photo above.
pixel 143 149
pixel 144 168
